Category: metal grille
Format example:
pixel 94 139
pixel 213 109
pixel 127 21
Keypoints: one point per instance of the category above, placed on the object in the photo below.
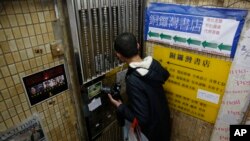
pixel 100 23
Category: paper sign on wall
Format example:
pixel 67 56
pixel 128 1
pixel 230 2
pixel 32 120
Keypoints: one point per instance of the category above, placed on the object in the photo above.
pixel 196 84
pixel 210 30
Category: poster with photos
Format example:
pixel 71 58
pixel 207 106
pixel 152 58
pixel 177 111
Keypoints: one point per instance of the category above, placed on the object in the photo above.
pixel 29 130
pixel 45 84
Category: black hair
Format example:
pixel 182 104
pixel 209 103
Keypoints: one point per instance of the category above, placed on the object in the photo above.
pixel 126 45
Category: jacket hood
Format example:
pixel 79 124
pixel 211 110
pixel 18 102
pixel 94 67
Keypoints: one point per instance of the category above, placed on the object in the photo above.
pixel 151 69
pixel 142 67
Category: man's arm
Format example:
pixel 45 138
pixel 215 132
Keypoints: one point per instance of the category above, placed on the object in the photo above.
pixel 138 105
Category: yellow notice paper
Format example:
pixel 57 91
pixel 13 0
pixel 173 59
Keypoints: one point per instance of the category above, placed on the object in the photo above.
pixel 197 82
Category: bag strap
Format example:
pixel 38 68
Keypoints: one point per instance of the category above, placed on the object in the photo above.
pixel 135 126
pixel 134 123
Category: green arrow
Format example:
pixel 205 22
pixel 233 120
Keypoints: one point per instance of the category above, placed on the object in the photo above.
pixel 179 39
pixel 165 36
pixel 224 47
pixel 207 44
pixel 153 34
pixel 194 42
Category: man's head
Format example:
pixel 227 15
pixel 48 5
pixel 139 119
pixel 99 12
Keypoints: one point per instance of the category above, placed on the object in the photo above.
pixel 33 90
pixel 126 45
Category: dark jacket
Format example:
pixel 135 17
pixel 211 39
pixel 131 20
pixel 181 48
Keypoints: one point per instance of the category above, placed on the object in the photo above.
pixel 147 101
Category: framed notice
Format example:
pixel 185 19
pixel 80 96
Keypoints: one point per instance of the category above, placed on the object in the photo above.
pixel 29 130
pixel 45 84
pixel 196 84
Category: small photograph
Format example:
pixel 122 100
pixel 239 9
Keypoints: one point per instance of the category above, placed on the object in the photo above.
pixel 33 90
pixel 52 82
pixel 39 88
pixel 46 84
pixel 36 133
pixel 60 79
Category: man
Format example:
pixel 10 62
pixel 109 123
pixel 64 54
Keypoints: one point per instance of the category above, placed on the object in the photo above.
pixel 33 91
pixel 146 98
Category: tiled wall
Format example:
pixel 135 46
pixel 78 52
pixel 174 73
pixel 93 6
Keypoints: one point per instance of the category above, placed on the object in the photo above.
pixel 25 35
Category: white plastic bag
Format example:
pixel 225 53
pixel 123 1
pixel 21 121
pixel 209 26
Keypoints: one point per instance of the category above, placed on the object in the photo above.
pixel 134 133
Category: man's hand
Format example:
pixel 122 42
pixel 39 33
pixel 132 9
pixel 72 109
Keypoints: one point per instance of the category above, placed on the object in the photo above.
pixel 117 103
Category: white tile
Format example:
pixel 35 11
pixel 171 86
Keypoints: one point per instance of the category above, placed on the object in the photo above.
pixel 20 44
pixel 23 55
pixel 9 123
pixel 3 84
pixel 13 20
pixel 20 19
pixel 13 69
pixel 2 106
pixel 27 42
pixel 16 79
pixel 2 127
pixel 2 35
pixel 12 45
pixel 27 18
pixel 5 114
pixel 9 33
pixel 30 53
pixel 41 17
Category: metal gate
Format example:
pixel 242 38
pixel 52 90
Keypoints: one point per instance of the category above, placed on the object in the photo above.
pixel 98 22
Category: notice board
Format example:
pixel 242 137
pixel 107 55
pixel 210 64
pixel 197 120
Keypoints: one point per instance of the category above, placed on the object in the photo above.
pixel 197 82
